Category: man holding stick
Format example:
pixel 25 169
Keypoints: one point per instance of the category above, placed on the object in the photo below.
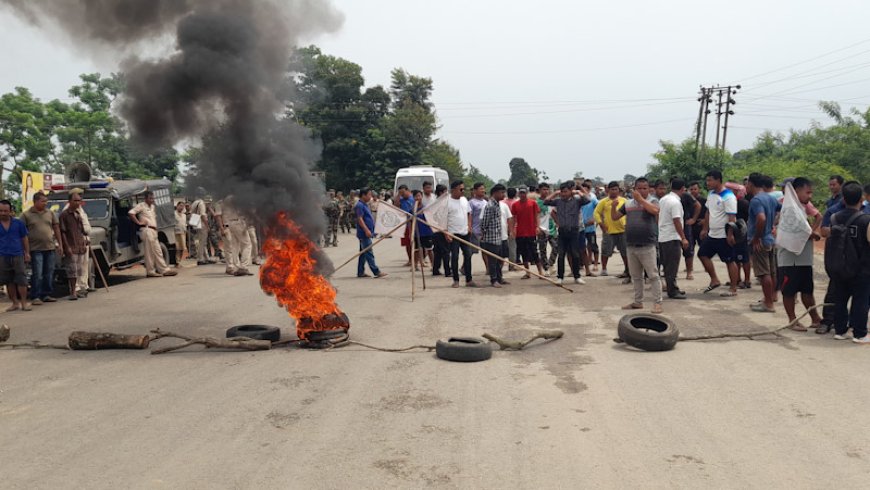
pixel 459 224
pixel 493 237
pixel 365 225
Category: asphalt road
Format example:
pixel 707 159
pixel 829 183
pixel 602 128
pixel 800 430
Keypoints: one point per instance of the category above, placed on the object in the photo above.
pixel 580 412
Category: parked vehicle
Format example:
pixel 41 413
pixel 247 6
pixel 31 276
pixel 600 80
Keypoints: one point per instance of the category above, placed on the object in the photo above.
pixel 414 176
pixel 114 237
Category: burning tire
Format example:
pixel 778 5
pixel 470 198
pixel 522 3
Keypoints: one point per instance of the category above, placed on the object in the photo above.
pixel 652 333
pixel 463 349
pixel 256 332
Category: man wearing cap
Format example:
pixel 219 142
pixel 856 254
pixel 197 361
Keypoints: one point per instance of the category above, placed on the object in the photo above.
pixel 74 242
pixel 144 215
pixel 525 213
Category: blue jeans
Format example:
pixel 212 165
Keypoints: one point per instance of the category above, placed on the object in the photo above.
pixel 42 268
pixel 366 257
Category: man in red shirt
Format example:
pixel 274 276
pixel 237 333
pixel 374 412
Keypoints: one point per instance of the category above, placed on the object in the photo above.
pixel 525 213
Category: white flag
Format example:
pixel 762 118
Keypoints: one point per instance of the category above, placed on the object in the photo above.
pixel 390 217
pixel 793 230
pixel 436 213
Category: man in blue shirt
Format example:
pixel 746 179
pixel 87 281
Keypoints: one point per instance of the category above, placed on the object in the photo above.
pixel 406 203
pixel 588 216
pixel 759 231
pixel 835 185
pixel 365 228
pixel 14 253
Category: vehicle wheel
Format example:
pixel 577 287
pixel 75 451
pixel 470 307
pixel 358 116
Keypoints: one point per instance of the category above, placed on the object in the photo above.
pixel 463 349
pixel 256 332
pixel 165 251
pixel 648 332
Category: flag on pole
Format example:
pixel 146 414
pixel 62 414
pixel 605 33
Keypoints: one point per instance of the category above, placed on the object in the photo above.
pixel 436 212
pixel 793 229
pixel 390 217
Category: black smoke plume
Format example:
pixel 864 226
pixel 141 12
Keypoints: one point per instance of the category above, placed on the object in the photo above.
pixel 221 83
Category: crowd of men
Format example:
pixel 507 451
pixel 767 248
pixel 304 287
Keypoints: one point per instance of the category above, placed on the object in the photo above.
pixel 654 226
pixel 32 244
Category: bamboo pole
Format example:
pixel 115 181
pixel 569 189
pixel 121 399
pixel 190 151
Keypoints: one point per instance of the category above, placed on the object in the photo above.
pixel 100 271
pixel 387 235
pixel 413 251
pixel 422 263
pixel 502 259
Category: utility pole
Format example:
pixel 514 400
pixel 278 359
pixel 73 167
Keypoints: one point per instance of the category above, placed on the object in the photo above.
pixel 705 104
pixel 718 116
pixel 698 123
pixel 728 111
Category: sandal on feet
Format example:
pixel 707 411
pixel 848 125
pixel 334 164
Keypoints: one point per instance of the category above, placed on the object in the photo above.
pixel 633 306
pixel 13 308
pixel 760 308
pixel 711 287
pixel 690 277
pixel 728 294
pixel 797 327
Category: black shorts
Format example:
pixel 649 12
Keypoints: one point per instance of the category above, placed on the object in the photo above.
pixel 592 241
pixel 795 279
pixel 12 270
pixel 527 250
pixel 741 253
pixel 712 247
pixel 689 252
pixel 426 242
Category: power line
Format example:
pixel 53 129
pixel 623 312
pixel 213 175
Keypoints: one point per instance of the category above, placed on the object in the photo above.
pixel 845 69
pixel 578 130
pixel 806 60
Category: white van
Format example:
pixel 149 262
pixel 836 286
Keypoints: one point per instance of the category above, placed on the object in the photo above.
pixel 414 176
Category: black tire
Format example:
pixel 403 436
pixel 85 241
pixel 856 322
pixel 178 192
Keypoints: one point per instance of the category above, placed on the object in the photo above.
pixel 165 251
pixel 463 349
pixel 256 332
pixel 648 332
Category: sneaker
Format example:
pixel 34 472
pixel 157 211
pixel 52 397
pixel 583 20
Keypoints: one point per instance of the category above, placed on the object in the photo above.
pixel 455 284
pixel 471 284
pixel 560 281
pixel 657 308
pixel 49 299
pixel 547 273
pixel 823 329
pixel 503 282
pixel 36 302
pixel 623 275
pixel 73 297
pixel 496 285
pixel 229 272
pixel 171 273
pixel 603 272
pixel 840 337
pixel 863 340
pixel 577 280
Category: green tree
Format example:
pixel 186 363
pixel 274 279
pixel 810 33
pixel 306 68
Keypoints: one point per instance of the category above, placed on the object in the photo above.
pixel 521 173
pixel 680 160
pixel 474 175
pixel 25 134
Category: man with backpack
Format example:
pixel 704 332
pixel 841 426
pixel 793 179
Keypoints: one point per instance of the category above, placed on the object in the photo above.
pixel 847 262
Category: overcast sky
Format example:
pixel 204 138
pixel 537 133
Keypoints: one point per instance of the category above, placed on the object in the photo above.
pixel 569 86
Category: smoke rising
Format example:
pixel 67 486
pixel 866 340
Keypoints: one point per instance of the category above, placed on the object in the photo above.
pixel 220 84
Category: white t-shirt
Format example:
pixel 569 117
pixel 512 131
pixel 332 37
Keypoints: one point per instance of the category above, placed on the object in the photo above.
pixel 670 208
pixel 457 215
pixel 719 207
pixel 505 216
pixel 427 200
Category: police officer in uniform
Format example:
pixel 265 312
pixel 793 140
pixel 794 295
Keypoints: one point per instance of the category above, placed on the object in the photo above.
pixel 333 214
pixel 235 232
pixel 144 214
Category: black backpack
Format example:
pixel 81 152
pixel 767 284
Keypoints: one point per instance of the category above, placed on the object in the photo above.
pixel 841 252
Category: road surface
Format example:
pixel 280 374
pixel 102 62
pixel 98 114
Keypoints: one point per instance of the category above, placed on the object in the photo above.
pixel 580 412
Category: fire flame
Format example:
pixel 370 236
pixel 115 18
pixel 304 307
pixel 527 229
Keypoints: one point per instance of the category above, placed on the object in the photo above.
pixel 289 275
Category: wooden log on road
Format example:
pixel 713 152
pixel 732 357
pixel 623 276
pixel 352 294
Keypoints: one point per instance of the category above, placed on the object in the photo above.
pixel 99 341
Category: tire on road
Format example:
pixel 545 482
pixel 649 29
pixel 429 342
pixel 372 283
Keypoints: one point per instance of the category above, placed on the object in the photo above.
pixel 256 332
pixel 648 332
pixel 463 349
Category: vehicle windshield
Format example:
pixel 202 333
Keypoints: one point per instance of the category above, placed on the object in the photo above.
pixel 415 182
pixel 94 208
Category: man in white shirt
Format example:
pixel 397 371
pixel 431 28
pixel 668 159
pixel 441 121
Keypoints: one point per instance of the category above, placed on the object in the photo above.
pixel 717 238
pixel 459 224
pixel 144 215
pixel 672 236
